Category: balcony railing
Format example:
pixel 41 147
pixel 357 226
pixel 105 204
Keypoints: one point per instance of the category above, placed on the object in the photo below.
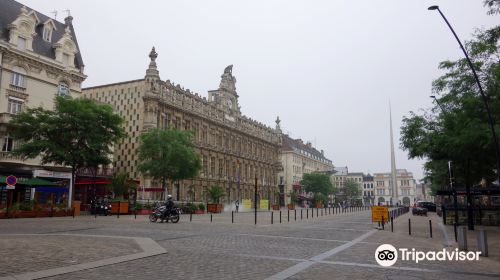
pixel 9 156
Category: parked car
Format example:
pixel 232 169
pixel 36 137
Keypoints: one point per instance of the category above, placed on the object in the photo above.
pixel 419 211
pixel 430 206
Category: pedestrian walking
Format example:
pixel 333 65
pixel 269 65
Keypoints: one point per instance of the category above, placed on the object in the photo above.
pixel 237 204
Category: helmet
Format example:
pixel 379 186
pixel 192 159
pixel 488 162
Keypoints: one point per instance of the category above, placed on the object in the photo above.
pixel 169 197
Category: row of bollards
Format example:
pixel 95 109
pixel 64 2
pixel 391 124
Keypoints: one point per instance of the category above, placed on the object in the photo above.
pixel 323 212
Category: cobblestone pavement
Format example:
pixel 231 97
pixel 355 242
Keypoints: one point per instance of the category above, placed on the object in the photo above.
pixel 339 246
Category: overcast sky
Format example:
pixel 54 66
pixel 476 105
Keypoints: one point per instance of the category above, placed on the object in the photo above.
pixel 327 68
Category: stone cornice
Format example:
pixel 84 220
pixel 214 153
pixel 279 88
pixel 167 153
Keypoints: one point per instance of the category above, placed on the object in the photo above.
pixel 39 60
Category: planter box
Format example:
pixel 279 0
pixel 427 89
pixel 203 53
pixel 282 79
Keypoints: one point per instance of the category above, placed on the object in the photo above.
pixel 319 205
pixel 276 207
pixel 291 206
pixel 26 214
pixel 123 207
pixel 41 214
pixel 144 212
pixel 3 215
pixel 214 208
pixel 199 211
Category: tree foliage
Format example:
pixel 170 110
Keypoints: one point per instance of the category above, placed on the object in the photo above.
pixel 317 183
pixel 215 193
pixel 77 133
pixel 352 190
pixel 168 155
pixel 121 184
pixel 460 132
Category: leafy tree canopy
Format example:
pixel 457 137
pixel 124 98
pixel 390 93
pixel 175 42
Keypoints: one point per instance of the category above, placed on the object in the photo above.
pixel 460 131
pixel 317 183
pixel 168 155
pixel 77 133
pixel 352 189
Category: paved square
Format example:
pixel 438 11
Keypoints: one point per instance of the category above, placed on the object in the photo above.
pixel 339 246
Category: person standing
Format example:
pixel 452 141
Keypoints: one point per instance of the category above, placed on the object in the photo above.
pixel 237 204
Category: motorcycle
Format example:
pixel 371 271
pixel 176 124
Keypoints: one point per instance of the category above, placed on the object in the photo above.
pixel 160 213
pixel 104 208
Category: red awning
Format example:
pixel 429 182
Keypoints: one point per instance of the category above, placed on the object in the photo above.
pixel 91 182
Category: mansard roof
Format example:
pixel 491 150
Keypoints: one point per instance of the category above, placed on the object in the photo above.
pixel 10 10
pixel 290 144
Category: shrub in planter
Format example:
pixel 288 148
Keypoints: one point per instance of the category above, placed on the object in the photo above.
pixel 201 206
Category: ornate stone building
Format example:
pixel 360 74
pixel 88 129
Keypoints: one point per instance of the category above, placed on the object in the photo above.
pixel 234 149
pixel 405 188
pixel 298 158
pixel 39 59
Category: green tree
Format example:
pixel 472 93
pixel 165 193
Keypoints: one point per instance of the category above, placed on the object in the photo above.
pixel 168 155
pixel 215 193
pixel 293 197
pixel 317 183
pixel 120 184
pixel 352 190
pixel 459 132
pixel 77 133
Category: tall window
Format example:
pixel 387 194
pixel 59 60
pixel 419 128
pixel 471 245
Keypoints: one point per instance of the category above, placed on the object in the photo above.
pixel 63 89
pixel 47 34
pixel 65 59
pixel 212 167
pixel 7 144
pixel 205 166
pixel 15 105
pixel 21 43
pixel 18 77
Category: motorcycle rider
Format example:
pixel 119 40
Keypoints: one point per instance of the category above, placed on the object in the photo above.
pixel 169 205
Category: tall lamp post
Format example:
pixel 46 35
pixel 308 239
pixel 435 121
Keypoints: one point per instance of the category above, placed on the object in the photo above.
pixel 483 96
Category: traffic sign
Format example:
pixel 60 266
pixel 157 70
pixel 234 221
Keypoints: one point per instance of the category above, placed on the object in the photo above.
pixel 379 212
pixel 11 181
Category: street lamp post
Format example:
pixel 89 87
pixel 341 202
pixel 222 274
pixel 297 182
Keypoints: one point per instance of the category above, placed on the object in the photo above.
pixel 483 96
pixel 438 103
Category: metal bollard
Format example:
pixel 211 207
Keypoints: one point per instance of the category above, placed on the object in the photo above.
pixel 455 230
pixel 210 217
pixel 409 226
pixel 280 216
pixel 118 212
pixel 301 214
pixel 295 214
pixel 272 217
pixel 462 238
pixel 307 213
pixel 482 243
pixel 392 224
pixel 430 227
pixel 135 213
pixel 383 224
pixel 288 216
pixel 232 217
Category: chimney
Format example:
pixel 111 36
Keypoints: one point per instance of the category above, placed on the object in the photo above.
pixel 68 20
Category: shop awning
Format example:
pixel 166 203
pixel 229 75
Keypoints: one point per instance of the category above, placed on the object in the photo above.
pixel 32 182
pixel 52 189
pixel 92 182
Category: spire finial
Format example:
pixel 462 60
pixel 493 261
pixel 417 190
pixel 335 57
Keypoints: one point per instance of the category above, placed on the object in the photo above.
pixel 153 55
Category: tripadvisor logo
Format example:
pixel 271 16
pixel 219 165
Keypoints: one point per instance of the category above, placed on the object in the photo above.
pixel 387 255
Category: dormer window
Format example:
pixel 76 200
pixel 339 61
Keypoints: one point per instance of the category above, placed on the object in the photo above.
pixel 47 33
pixel 21 43
pixel 65 59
